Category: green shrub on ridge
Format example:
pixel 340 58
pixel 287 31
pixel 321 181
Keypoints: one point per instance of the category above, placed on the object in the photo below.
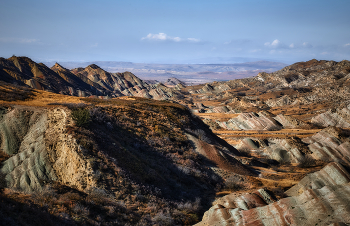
pixel 81 116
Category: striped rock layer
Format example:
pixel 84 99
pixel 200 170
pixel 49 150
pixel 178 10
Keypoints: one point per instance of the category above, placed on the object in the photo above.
pixel 327 147
pixel 328 203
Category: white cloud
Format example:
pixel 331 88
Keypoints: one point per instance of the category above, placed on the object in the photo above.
pixel 274 44
pixel 160 36
pixel 193 39
pixel 346 45
pixel 165 37
pixel 277 44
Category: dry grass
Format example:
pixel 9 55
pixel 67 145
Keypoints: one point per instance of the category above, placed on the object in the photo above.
pixel 217 116
pixel 42 98
pixel 283 133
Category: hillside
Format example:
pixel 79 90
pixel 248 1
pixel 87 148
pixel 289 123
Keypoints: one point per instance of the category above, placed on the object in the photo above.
pixel 273 149
pixel 297 116
pixel 129 162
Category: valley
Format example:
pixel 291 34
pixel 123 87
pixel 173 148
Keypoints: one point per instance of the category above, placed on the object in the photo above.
pixel 89 147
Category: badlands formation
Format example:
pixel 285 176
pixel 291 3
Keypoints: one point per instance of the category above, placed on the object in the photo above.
pixel 89 147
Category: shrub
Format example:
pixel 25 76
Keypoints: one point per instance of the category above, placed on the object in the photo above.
pixel 234 183
pixel 202 136
pixel 306 161
pixel 81 116
pixel 2 181
pixel 81 210
pixel 190 206
pixel 163 219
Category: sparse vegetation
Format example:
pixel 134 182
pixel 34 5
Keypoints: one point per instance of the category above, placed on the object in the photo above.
pixel 81 116
pixel 234 183
pixel 307 161
pixel 13 92
pixel 150 160
pixel 202 136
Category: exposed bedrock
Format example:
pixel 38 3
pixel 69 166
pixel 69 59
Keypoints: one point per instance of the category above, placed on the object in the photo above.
pixel 40 150
pixel 251 121
pixel 281 150
pixel 340 119
pixel 331 175
pixel 324 204
pixel 329 145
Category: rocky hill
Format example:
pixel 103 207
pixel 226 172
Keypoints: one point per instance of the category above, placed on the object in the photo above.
pixel 174 81
pixel 318 199
pixel 297 116
pixel 82 82
pixel 123 161
pixel 268 150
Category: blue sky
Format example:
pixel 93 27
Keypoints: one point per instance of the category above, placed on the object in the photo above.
pixel 181 31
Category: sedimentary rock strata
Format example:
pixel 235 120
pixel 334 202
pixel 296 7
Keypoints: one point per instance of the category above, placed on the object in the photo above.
pixel 41 150
pixel 252 121
pixel 327 202
pixel 326 146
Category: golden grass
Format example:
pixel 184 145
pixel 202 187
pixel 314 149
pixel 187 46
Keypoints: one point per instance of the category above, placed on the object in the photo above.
pixel 217 116
pixel 43 98
pixel 283 133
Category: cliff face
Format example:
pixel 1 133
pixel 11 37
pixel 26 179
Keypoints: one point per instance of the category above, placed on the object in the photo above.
pixel 41 150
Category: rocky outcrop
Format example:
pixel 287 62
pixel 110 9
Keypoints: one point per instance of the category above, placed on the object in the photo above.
pixel 331 175
pixel 282 101
pixel 291 122
pixel 281 150
pixel 246 201
pixel 174 82
pixel 252 121
pixel 41 150
pixel 329 145
pixel 326 203
pixel 221 109
pixel 332 119
pixel 223 158
pixel 325 206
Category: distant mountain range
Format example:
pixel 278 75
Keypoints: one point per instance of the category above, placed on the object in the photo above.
pixel 190 73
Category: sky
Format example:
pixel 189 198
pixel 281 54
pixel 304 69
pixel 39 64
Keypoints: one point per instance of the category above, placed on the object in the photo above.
pixel 175 31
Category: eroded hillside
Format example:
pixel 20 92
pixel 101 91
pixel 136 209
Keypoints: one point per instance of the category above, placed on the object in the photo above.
pixel 297 117
pixel 258 151
pixel 122 161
